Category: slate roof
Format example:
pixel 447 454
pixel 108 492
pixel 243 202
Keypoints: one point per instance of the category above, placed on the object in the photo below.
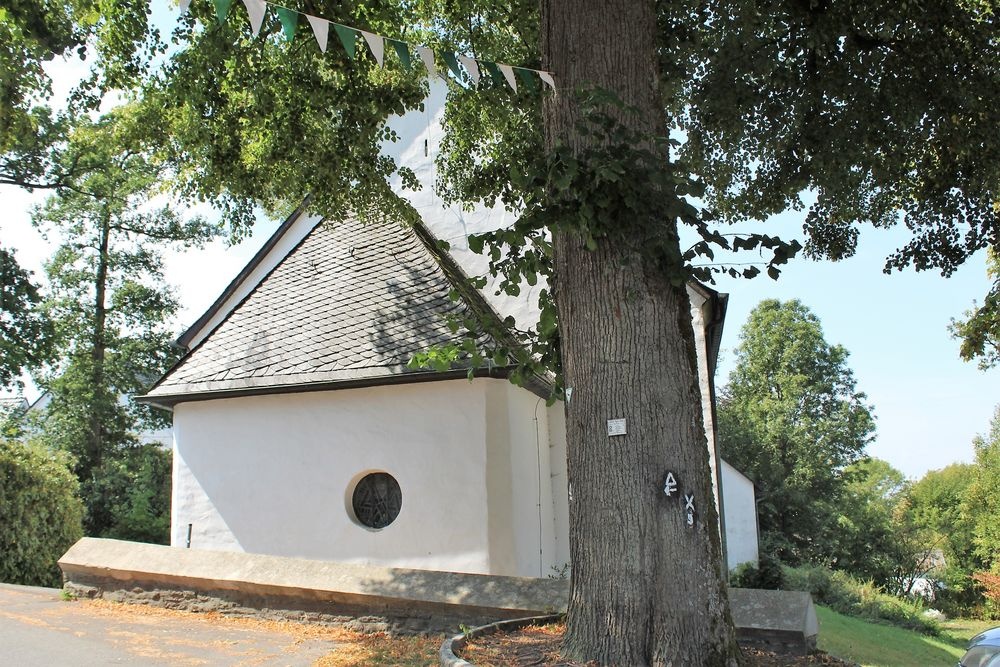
pixel 351 304
pixel 11 406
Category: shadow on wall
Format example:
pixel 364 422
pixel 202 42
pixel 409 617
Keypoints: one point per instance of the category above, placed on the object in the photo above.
pixel 482 596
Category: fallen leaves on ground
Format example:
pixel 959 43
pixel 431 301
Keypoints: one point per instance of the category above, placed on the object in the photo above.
pixel 354 649
pixel 539 646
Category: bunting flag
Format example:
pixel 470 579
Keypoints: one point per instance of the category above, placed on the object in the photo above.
pixel 475 70
pixel 547 78
pixel 376 45
pixel 508 74
pixel 452 63
pixel 321 30
pixel 183 5
pixel 222 9
pixel 289 22
pixel 402 52
pixel 348 38
pixel 256 9
pixel 472 67
pixel 494 71
pixel 526 78
pixel 427 56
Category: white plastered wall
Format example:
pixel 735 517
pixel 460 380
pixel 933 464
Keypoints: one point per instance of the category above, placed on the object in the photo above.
pixel 740 508
pixel 560 487
pixel 699 317
pixel 481 466
pixel 420 134
pixel 273 474
pixel 522 517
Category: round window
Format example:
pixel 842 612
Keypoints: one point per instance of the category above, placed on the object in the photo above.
pixel 376 500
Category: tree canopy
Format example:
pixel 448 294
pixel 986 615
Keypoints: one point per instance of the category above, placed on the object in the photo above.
pixel 110 309
pixel 983 496
pixel 25 336
pixel 792 419
pixel 980 330
pixel 885 111
pixel 33 126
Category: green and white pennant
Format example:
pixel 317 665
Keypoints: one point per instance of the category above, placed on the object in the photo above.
pixel 376 45
pixel 256 9
pixel 500 73
pixel 321 30
pixel 472 67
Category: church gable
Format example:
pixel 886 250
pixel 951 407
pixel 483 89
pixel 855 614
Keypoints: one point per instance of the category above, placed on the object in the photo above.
pixel 350 304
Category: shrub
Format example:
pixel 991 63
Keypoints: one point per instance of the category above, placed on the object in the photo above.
pixel 845 594
pixel 959 595
pixel 40 512
pixel 990 583
pixel 130 493
pixel 767 574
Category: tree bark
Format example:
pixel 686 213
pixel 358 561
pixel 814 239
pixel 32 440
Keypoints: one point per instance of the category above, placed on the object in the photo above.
pixel 99 343
pixel 646 584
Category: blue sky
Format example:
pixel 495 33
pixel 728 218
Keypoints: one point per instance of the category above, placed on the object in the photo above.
pixel 929 404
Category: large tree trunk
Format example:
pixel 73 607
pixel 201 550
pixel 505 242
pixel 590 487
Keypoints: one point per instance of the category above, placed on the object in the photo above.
pixel 646 584
pixel 98 353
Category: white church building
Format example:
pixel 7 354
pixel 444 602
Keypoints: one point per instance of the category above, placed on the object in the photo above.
pixel 299 429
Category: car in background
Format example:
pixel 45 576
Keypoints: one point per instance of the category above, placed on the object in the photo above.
pixel 983 650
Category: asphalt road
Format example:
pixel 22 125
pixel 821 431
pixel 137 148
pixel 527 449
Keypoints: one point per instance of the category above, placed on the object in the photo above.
pixel 38 628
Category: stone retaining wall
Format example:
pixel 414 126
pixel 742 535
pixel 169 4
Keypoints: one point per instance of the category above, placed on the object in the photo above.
pixel 357 597
pixel 369 598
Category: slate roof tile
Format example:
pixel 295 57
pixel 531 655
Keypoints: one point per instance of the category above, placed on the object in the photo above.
pixel 351 302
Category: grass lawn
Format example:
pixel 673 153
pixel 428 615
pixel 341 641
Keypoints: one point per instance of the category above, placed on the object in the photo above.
pixel 875 645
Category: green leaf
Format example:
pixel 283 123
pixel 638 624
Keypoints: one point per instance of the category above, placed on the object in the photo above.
pixel 476 243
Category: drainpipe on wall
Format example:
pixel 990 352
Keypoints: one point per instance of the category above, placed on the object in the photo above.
pixel 538 468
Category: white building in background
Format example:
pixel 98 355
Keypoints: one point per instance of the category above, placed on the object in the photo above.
pixel 300 431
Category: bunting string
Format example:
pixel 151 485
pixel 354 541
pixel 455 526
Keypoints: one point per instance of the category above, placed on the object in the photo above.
pixel 462 66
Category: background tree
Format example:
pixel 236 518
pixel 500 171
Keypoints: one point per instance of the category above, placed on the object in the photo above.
pixel 980 331
pixel 982 499
pixel 112 316
pixel 25 336
pixel 873 539
pixel 40 512
pixel 33 129
pixel 867 542
pixel 936 503
pixel 792 419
